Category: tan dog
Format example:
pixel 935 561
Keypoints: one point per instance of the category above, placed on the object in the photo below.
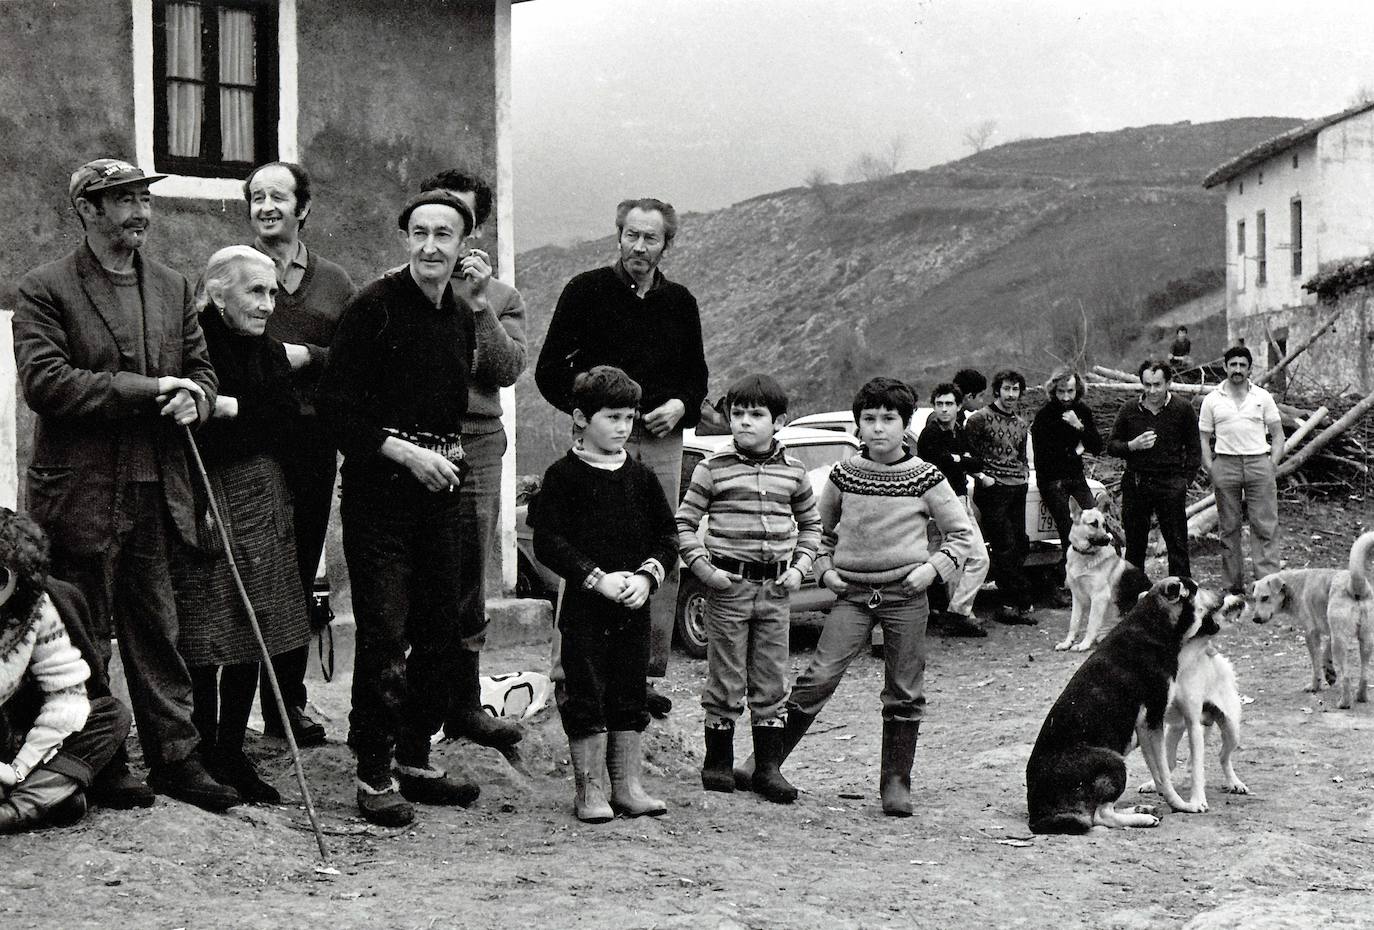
pixel 1204 693
pixel 1092 569
pixel 1336 610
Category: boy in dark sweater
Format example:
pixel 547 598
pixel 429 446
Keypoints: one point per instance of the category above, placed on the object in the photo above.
pixel 760 543
pixel 602 523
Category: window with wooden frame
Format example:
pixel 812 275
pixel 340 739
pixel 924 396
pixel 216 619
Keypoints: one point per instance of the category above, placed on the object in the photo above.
pixel 1261 260
pixel 214 80
pixel 1295 233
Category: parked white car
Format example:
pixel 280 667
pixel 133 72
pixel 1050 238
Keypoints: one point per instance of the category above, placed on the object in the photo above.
pixel 817 449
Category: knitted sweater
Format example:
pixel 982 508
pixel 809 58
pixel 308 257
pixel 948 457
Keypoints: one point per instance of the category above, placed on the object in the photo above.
pixel 41 649
pixel 309 316
pixel 762 510
pixel 874 521
pixel 1058 446
pixel 999 439
pixel 499 356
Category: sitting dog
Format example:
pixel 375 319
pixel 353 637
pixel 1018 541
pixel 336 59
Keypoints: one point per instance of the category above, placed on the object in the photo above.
pixel 1204 693
pixel 1093 568
pixel 1118 697
pixel 1336 610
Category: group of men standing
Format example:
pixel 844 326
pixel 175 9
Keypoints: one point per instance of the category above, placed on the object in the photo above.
pixel 402 376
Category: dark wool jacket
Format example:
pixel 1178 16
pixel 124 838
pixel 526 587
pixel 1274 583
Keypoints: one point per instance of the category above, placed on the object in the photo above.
pixel 947 450
pixel 655 339
pixel 1177 451
pixel 397 361
pixel 1056 442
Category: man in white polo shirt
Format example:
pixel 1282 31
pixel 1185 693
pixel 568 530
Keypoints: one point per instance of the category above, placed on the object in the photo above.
pixel 1243 420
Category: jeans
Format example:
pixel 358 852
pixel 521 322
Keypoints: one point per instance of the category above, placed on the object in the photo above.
pixel 480 502
pixel 129 588
pixel 404 549
pixel 747 648
pixel 86 752
pixel 848 628
pixel 1248 481
pixel 1164 497
pixel 605 650
pixel 1056 496
pixel 1003 511
pixel 974 572
pixel 663 457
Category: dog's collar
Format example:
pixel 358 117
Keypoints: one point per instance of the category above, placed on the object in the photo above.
pixel 1081 551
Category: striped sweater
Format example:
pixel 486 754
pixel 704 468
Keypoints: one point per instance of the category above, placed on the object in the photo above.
pixel 41 649
pixel 761 509
pixel 876 519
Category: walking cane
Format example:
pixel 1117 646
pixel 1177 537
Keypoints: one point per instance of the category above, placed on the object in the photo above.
pixel 262 646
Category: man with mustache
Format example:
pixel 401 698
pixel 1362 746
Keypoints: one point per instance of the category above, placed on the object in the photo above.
pixel 113 363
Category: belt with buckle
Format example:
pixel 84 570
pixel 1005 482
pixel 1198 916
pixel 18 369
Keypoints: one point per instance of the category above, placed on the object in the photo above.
pixel 449 445
pixel 752 571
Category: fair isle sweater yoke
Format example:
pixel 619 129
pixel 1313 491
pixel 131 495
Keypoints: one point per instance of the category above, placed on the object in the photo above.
pixel 875 517
pixel 41 649
pixel 762 509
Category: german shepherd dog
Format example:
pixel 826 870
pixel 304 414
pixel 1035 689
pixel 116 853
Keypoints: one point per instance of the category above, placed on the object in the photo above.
pixel 1336 610
pixel 1118 697
pixel 1092 570
pixel 1205 693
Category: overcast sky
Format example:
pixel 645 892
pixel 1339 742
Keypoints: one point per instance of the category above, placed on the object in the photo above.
pixel 707 102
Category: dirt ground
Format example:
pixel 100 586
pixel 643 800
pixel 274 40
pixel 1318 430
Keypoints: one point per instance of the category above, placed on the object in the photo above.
pixel 1298 851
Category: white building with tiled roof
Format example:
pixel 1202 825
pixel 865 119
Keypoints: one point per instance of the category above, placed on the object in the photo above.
pixel 1297 204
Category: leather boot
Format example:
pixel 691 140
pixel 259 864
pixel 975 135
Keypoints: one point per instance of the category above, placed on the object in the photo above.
pixel 423 783
pixel 466 716
pixel 187 780
pixel 588 760
pixel 117 788
pixel 768 780
pixel 793 730
pixel 899 748
pixel 623 757
pixel 44 799
pixel 717 769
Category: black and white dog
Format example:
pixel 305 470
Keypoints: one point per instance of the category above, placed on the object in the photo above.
pixel 1118 697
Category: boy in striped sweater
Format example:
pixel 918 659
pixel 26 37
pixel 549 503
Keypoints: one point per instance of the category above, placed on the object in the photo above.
pixel 758 546
pixel 876 508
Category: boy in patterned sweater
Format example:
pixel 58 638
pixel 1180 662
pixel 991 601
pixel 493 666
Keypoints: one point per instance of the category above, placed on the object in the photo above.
pixel 875 509
pixel 759 545
pixel 602 523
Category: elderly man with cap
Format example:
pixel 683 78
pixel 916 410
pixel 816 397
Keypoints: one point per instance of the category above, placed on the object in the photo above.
pixel 113 363
pixel 394 393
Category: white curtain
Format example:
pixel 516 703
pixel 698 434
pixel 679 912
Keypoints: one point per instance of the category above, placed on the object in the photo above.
pixel 185 101
pixel 236 66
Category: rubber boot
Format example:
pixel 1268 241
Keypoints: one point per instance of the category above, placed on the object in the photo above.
pixel 768 780
pixel 589 759
pixel 717 769
pixel 44 799
pixel 466 716
pixel 623 757
pixel 793 730
pixel 899 749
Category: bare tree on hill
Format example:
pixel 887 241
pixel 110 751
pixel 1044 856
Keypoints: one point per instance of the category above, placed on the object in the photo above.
pixel 977 136
pixel 874 166
pixel 818 180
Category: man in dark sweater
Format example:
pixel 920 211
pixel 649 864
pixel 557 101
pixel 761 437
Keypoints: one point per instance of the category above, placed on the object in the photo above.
pixel 498 358
pixel 311 294
pixel 942 444
pixel 630 316
pixel 1157 435
pixel 997 435
pixel 394 394
pixel 1061 432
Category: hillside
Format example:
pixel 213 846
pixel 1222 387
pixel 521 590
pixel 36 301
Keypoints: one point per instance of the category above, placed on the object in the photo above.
pixel 992 260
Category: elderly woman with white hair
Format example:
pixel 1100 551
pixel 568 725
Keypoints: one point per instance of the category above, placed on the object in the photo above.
pixel 254 416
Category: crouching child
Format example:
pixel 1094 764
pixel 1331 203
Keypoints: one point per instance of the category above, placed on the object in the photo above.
pixel 602 523
pixel 56 734
pixel 875 509
pixel 760 541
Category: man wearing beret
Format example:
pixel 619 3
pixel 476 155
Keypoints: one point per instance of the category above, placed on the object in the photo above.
pixel 394 394
pixel 113 363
